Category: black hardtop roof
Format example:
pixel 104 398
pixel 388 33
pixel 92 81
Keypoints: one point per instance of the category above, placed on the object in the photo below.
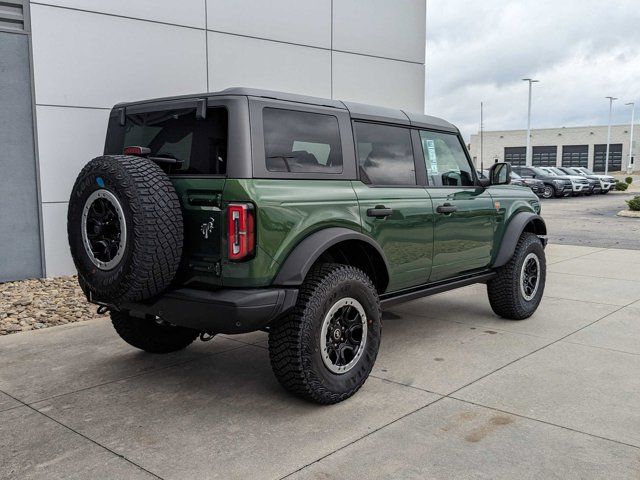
pixel 356 110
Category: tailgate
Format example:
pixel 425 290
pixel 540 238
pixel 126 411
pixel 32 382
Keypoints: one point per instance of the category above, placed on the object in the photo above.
pixel 200 199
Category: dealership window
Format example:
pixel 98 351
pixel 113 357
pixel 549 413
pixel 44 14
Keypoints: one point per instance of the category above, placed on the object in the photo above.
pixel 385 154
pixel 515 155
pixel 301 142
pixel 544 156
pixel 445 159
pixel 615 157
pixel 575 156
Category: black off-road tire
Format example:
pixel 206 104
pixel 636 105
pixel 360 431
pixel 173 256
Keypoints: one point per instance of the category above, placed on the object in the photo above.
pixel 294 343
pixel 505 294
pixel 150 336
pixel 154 226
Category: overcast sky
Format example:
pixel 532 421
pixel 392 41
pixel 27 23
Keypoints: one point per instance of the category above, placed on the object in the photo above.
pixel 580 50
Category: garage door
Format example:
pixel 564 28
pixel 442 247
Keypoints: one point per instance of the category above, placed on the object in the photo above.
pixel 544 156
pixel 575 156
pixel 615 157
pixel 515 155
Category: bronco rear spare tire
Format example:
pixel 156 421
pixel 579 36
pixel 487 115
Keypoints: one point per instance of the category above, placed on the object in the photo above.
pixel 125 229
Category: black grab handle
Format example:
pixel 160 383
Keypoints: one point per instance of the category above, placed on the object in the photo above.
pixel 446 208
pixel 379 212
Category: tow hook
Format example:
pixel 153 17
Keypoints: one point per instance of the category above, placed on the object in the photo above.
pixel 102 309
pixel 206 336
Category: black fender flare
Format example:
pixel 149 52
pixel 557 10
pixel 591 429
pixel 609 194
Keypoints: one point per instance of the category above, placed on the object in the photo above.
pixel 516 226
pixel 295 268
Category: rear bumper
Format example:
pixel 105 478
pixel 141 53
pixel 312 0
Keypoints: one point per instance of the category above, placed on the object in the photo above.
pixel 220 311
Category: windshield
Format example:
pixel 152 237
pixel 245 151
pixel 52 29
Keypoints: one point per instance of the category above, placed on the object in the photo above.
pixel 572 171
pixel 586 170
pixel 540 171
pixel 548 171
pixel 557 171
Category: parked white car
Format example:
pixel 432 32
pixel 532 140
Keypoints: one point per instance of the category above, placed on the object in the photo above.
pixel 607 182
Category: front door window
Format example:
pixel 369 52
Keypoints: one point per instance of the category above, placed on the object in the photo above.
pixel 447 165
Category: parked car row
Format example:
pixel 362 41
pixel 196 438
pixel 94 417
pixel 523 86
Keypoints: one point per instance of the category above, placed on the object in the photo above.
pixel 549 182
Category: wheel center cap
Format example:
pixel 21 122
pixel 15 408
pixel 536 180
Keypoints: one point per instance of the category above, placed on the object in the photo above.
pixel 337 333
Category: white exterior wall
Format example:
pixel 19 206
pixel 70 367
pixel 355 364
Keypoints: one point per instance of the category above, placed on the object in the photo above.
pixel 90 54
pixel 494 142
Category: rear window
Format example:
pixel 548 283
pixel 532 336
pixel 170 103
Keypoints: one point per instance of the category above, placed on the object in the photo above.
pixel 301 142
pixel 199 144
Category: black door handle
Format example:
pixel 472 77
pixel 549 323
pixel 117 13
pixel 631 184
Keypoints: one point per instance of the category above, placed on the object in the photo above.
pixel 446 208
pixel 379 212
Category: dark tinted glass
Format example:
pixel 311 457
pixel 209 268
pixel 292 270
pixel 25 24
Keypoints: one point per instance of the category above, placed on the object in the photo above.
pixel 385 154
pixel 199 144
pixel 301 142
pixel 446 161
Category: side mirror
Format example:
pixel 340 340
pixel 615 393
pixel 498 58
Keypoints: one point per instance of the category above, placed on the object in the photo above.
pixel 500 173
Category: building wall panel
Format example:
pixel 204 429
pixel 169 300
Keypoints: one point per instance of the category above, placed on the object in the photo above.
pixel 304 22
pixel 393 29
pixel 91 60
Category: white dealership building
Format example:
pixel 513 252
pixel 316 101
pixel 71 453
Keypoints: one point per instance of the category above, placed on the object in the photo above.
pixel 567 147
pixel 64 63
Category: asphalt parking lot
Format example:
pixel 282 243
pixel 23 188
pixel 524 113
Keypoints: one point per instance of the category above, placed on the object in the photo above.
pixel 592 221
pixel 456 393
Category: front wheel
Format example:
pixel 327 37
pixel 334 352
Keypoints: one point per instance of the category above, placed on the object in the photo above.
pixel 516 291
pixel 325 349
pixel 547 192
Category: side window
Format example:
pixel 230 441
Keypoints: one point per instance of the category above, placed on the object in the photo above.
pixel 447 164
pixel 385 154
pixel 301 142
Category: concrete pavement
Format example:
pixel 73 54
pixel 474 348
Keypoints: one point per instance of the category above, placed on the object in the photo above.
pixel 456 393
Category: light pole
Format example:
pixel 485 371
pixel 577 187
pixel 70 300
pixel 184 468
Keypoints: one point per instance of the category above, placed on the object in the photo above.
pixel 481 136
pixel 528 151
pixel 630 165
pixel 606 158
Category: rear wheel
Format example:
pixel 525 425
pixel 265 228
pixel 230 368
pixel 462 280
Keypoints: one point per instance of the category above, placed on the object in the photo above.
pixel 325 349
pixel 516 291
pixel 153 336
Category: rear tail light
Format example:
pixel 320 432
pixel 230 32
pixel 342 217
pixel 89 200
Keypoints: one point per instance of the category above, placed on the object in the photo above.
pixel 138 151
pixel 241 231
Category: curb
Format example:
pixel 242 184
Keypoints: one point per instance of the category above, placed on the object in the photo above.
pixel 628 214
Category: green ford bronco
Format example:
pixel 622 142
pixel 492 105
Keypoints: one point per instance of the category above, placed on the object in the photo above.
pixel 247 210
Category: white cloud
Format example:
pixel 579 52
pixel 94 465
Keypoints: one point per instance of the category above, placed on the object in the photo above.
pixel 581 50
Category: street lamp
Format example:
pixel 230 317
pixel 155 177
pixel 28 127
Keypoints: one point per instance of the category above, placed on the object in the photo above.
pixel 528 152
pixel 630 165
pixel 606 158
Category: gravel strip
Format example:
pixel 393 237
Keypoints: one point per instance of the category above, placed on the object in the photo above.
pixel 40 303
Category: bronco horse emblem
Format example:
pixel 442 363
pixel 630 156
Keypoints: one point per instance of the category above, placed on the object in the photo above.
pixel 206 228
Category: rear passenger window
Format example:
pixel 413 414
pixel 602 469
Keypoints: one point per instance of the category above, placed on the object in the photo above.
pixel 446 162
pixel 385 154
pixel 301 142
